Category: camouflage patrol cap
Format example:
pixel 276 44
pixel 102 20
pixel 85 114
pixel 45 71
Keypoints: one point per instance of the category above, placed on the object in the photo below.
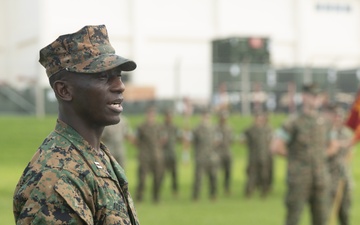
pixel 311 88
pixel 85 51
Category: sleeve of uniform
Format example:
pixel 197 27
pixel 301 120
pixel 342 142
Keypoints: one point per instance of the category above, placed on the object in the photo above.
pixel 286 130
pixel 54 200
pixel 332 135
pixel 193 136
pixel 282 134
pixel 245 135
pixel 137 133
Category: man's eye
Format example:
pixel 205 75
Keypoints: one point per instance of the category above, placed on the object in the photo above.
pixel 103 76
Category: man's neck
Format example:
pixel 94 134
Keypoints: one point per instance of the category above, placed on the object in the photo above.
pixel 91 134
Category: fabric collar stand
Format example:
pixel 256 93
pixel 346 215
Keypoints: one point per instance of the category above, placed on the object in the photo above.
pixel 96 161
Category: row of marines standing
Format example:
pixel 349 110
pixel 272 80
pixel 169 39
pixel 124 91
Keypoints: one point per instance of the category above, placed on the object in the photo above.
pixel 315 146
pixel 157 155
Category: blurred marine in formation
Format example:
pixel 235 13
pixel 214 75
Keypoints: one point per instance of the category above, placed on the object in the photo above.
pixel 206 158
pixel 148 141
pixel 224 138
pixel 114 138
pixel 304 141
pixel 339 167
pixel 260 162
pixel 170 136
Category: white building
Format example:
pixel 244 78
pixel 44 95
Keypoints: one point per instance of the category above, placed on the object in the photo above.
pixel 171 39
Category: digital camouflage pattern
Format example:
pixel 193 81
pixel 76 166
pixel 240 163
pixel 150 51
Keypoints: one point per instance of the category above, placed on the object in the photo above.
pixel 69 182
pixel 150 158
pixel 260 162
pixel 206 158
pixel 86 51
pixel 224 138
pixel 307 174
pixel 339 167
pixel 172 135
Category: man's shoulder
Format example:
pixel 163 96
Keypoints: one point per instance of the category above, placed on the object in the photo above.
pixel 149 128
pixel 57 152
pixel 201 128
pixel 170 127
pixel 251 129
pixel 293 120
pixel 144 126
pixel 54 139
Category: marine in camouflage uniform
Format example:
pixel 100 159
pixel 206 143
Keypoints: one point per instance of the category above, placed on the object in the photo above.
pixel 339 168
pixel 206 158
pixel 171 135
pixel 72 178
pixel 114 138
pixel 148 139
pixel 306 137
pixel 68 182
pixel 224 137
pixel 260 162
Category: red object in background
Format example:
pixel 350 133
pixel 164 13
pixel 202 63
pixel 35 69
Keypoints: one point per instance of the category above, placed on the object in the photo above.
pixel 353 120
pixel 256 43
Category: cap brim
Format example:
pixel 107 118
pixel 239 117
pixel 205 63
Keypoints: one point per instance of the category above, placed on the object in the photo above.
pixel 102 63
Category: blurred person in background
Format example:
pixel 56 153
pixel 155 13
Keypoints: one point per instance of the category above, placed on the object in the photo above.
pixel 206 157
pixel 73 178
pixel 304 140
pixel 260 162
pixel 224 137
pixel 221 100
pixel 170 135
pixel 339 166
pixel 150 155
pixel 186 109
pixel 114 138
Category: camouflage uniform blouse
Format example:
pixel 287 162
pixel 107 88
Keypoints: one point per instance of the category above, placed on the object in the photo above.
pixel 68 182
pixel 306 138
pixel 172 134
pixel 148 137
pixel 224 136
pixel 258 140
pixel 203 141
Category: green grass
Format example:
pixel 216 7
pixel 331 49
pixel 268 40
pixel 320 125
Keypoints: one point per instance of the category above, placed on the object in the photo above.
pixel 21 136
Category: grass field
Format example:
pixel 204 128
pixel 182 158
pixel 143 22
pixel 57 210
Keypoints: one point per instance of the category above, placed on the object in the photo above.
pixel 20 137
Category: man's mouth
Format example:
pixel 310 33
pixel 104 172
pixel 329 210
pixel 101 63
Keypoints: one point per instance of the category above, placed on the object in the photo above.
pixel 116 106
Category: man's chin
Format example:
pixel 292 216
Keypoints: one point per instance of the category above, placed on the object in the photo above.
pixel 114 121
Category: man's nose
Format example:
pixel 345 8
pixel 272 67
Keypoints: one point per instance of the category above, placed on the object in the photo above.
pixel 117 85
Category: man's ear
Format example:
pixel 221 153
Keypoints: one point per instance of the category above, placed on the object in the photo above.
pixel 63 90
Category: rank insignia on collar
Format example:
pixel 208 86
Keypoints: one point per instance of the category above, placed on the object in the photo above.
pixel 98 165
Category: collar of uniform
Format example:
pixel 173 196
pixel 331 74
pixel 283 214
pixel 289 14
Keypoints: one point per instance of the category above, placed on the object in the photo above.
pixel 118 170
pixel 91 156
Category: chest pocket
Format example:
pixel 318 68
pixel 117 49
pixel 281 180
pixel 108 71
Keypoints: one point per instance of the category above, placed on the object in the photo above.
pixel 304 132
pixel 112 208
pixel 113 217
